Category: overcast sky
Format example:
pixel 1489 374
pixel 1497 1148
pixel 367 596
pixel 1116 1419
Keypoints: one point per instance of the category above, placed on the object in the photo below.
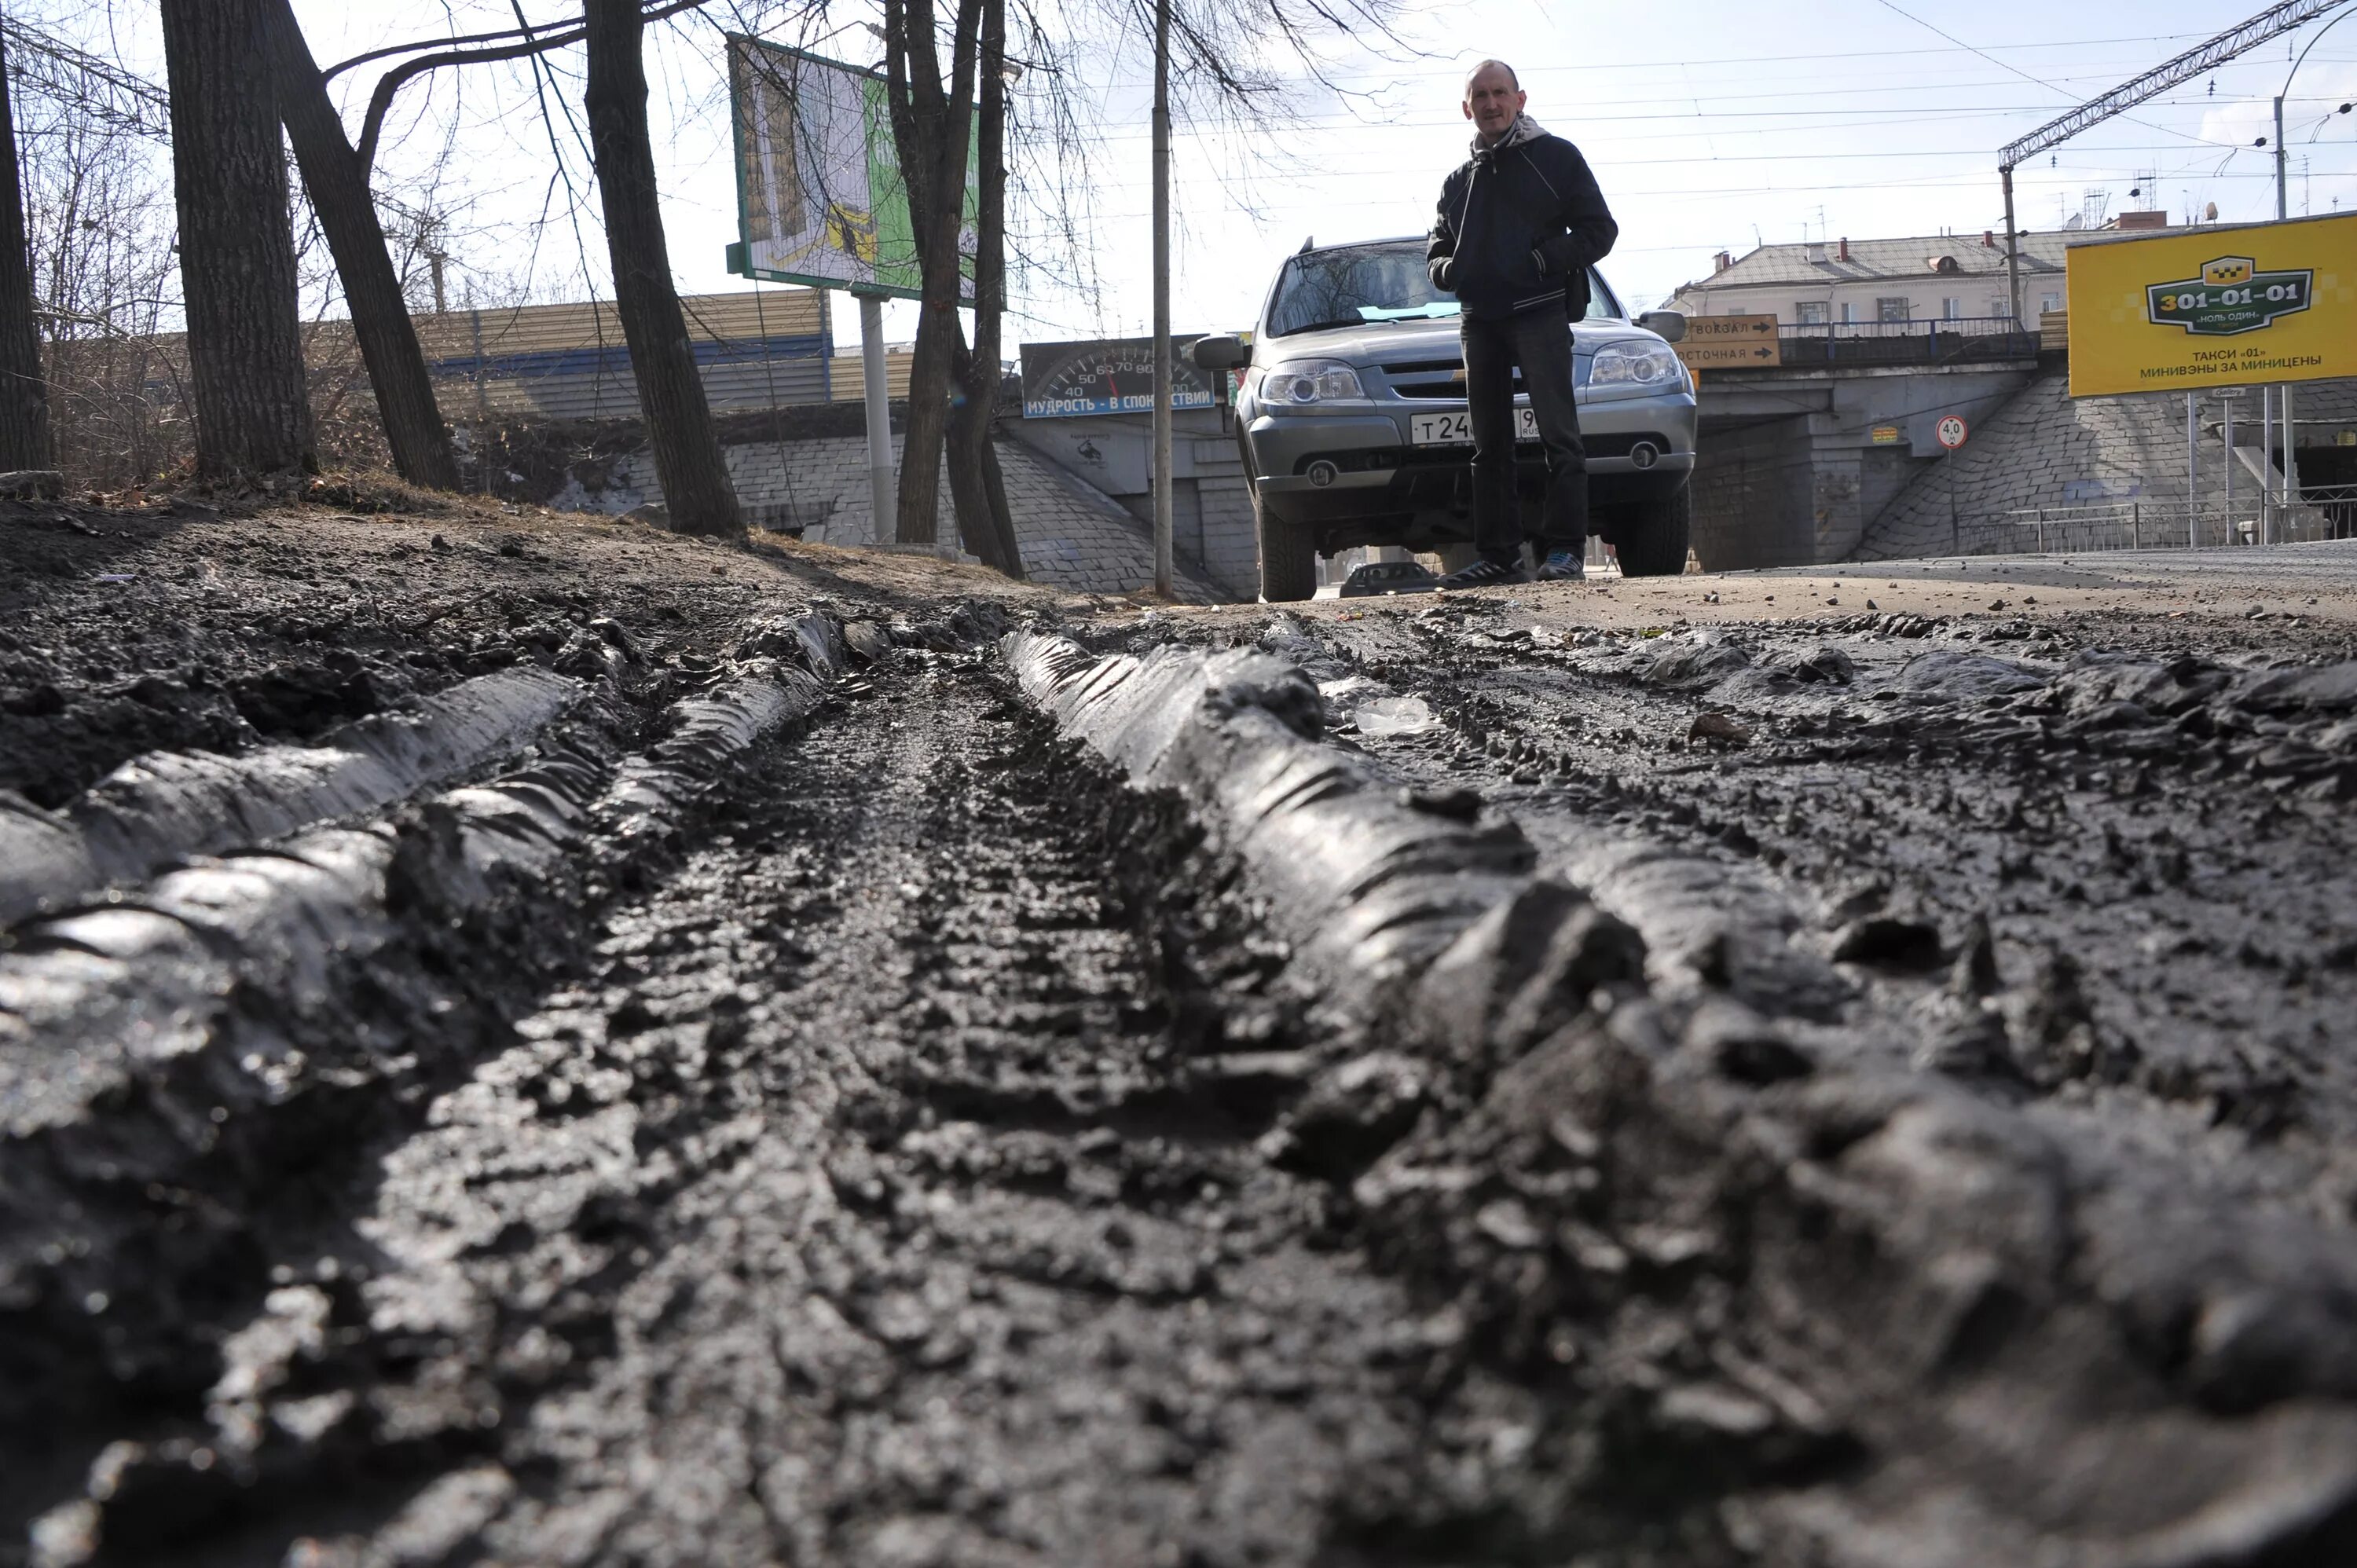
pixel 1712 126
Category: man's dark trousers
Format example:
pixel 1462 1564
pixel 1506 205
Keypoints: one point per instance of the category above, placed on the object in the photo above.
pixel 1540 342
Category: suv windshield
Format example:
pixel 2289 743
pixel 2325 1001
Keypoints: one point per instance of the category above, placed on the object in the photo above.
pixel 1352 286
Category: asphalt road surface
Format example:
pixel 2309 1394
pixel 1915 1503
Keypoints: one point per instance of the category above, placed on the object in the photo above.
pixel 532 1041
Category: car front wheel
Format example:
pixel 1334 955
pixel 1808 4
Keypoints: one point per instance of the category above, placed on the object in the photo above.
pixel 1289 557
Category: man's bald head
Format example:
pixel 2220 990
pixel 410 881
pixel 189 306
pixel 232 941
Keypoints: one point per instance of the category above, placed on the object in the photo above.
pixel 1512 79
pixel 1493 99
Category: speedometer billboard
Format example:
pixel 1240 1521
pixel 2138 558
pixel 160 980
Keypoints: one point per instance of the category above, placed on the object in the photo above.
pixel 2215 306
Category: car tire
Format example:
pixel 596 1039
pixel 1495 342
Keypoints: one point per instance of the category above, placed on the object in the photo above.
pixel 1288 558
pixel 1653 541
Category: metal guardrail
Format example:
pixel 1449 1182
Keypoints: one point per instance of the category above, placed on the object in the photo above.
pixel 1966 339
pixel 2320 511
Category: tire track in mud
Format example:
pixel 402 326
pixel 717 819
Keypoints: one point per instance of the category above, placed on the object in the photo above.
pixel 883 1190
pixel 928 1159
pixel 2148 920
pixel 1783 1288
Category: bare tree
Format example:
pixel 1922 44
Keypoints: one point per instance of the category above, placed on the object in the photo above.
pixel 337 183
pixel 1220 50
pixel 23 394
pixel 237 250
pixel 103 239
pixel 977 487
pixel 686 443
pixel 930 125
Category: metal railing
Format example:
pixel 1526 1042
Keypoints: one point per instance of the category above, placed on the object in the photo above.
pixel 1974 339
pixel 2319 512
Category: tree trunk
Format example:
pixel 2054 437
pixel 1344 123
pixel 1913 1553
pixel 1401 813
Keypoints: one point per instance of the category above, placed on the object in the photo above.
pixel 671 394
pixel 237 249
pixel 930 127
pixel 975 482
pixel 340 194
pixel 24 395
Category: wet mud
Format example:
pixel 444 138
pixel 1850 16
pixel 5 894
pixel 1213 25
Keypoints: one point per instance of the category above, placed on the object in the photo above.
pixel 859 1074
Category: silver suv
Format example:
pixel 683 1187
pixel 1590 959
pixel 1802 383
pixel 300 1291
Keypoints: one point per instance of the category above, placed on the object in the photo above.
pixel 1353 427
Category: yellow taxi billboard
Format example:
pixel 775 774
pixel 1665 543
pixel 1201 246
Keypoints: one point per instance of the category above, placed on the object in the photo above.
pixel 2245 306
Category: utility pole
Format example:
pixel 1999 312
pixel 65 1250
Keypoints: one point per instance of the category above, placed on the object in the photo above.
pixel 2283 160
pixel 1165 393
pixel 2283 214
pixel 2012 249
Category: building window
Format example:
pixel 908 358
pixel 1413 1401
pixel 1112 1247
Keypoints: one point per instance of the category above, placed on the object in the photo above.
pixel 1889 308
pixel 1951 310
pixel 1812 313
pixel 2050 302
pixel 1849 312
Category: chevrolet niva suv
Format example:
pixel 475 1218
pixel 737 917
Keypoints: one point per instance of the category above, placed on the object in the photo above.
pixel 1352 422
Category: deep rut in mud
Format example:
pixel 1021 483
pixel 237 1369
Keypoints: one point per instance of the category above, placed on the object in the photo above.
pixel 1482 1114
pixel 883 1190
pixel 2162 913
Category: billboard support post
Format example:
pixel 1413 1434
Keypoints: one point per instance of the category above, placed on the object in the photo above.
pixel 2227 447
pixel 874 380
pixel 1164 389
pixel 2291 451
pixel 2266 465
pixel 2192 474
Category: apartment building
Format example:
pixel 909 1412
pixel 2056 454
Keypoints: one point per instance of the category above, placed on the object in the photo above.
pixel 1935 277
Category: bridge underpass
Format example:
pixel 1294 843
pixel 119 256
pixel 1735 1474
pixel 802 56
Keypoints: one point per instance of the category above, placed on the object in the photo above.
pixel 1796 463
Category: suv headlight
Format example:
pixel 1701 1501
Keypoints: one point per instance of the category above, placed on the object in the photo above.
pixel 1306 381
pixel 1651 366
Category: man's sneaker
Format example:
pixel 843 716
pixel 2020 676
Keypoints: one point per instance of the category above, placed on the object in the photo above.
pixel 1563 566
pixel 1485 574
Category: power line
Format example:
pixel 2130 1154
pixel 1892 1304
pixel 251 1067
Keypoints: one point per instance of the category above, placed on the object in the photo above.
pixel 2234 42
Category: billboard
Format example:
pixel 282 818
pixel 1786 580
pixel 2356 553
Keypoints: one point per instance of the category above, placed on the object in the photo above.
pixel 820 200
pixel 1106 375
pixel 2245 306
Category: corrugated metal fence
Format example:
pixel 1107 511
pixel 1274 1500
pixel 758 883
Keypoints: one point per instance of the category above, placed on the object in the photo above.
pixel 756 349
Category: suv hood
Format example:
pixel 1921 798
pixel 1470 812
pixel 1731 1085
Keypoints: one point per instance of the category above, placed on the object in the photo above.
pixel 1413 340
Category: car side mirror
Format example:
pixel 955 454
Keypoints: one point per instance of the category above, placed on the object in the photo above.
pixel 1221 354
pixel 1220 358
pixel 1670 326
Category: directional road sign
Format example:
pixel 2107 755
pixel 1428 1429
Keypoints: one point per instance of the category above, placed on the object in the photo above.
pixel 1952 432
pixel 1731 343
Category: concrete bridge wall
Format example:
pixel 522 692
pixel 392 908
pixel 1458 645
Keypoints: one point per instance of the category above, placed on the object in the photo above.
pixel 1790 473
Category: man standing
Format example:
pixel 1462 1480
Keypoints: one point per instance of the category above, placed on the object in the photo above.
pixel 1521 222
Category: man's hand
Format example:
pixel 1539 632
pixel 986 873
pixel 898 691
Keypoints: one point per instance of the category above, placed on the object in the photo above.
pixel 1557 256
pixel 1443 271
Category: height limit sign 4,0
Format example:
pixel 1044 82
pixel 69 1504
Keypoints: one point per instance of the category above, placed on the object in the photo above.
pixel 1953 432
pixel 1731 343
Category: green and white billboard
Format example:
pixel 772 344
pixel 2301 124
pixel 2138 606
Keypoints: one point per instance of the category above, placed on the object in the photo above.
pixel 820 200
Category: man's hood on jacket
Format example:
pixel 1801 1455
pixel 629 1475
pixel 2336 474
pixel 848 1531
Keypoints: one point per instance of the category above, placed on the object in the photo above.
pixel 1523 129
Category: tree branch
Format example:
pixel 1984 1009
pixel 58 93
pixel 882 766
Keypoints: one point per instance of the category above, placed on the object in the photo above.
pixel 537 41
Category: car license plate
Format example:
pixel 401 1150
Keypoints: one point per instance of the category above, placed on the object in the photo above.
pixel 1456 429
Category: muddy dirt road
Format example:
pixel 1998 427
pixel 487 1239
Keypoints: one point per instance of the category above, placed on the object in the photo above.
pixel 569 1046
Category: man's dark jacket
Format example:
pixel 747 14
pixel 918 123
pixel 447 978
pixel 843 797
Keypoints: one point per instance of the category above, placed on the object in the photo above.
pixel 1519 225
